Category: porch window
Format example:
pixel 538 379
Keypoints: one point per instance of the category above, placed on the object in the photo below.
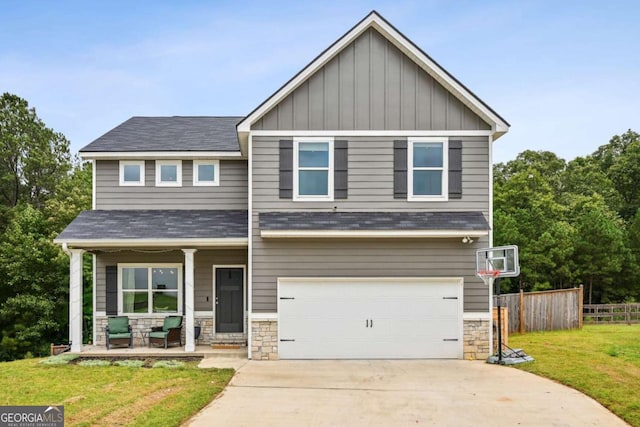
pixel 149 289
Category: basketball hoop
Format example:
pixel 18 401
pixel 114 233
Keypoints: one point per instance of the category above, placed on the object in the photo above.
pixel 488 276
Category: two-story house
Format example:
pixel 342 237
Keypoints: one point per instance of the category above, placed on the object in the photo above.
pixel 339 219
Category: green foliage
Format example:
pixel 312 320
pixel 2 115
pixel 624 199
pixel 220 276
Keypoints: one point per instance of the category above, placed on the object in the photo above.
pixel 94 362
pixel 568 220
pixel 171 364
pixel 41 191
pixel 129 363
pixel 60 359
pixel 33 158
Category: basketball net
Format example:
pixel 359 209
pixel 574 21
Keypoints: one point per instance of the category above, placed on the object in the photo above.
pixel 488 276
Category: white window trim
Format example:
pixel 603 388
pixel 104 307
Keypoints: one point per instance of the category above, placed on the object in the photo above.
pixel 149 266
pixel 177 164
pixel 330 171
pixel 445 170
pixel 216 173
pixel 140 164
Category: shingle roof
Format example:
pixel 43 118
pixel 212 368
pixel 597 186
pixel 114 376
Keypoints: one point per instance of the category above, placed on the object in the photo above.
pixel 170 134
pixel 156 224
pixel 464 221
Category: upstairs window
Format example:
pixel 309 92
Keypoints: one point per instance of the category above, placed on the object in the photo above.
pixel 313 169
pixel 206 173
pixel 427 174
pixel 168 173
pixel 132 173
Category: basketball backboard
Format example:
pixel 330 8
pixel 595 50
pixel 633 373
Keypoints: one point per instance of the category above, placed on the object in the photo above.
pixel 501 261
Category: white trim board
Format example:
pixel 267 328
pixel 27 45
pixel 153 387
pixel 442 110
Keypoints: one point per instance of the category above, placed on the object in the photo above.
pixel 413 279
pixel 260 317
pixel 440 234
pixel 154 243
pixel 480 315
pixel 373 20
pixel 389 133
pixel 153 155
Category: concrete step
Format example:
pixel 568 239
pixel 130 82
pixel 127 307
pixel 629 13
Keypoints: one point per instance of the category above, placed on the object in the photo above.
pixel 240 353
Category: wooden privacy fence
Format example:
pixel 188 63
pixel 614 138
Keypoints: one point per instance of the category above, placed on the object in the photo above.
pixel 612 313
pixel 545 310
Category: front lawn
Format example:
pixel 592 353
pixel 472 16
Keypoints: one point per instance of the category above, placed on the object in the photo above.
pixel 112 395
pixel 602 361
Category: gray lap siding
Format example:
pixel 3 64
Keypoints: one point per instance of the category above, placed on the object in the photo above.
pixel 230 194
pixel 370 188
pixel 203 275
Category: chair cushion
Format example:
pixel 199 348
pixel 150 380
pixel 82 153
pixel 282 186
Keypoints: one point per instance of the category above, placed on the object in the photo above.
pixel 119 336
pixel 171 322
pixel 158 334
pixel 118 325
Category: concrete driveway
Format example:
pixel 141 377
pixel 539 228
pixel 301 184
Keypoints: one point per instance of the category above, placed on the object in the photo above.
pixel 396 393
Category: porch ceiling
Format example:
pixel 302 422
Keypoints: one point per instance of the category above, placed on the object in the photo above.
pixel 156 228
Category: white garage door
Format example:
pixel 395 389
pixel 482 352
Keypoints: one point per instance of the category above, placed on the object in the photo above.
pixel 370 318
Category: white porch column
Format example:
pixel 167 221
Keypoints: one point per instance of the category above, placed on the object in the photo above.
pixel 190 342
pixel 75 298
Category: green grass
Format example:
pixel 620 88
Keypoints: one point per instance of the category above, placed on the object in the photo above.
pixel 112 395
pixel 602 361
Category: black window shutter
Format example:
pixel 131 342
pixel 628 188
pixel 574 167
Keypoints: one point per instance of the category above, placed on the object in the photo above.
pixel 400 169
pixel 455 169
pixel 111 276
pixel 286 169
pixel 340 166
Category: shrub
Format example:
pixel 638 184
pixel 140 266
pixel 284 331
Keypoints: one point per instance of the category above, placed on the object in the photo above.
pixel 129 363
pixel 173 364
pixel 60 359
pixel 94 362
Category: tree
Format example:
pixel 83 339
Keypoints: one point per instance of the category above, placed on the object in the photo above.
pixel 34 289
pixel 599 246
pixel 33 158
pixel 620 161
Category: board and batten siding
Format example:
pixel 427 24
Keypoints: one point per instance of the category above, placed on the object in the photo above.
pixel 370 85
pixel 204 260
pixel 230 194
pixel 370 188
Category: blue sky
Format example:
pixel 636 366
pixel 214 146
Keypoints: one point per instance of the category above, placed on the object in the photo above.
pixel 565 74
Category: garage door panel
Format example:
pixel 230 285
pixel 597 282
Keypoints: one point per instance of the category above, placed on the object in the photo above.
pixel 365 318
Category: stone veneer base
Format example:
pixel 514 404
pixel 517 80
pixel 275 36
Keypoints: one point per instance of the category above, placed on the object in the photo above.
pixel 264 344
pixel 140 324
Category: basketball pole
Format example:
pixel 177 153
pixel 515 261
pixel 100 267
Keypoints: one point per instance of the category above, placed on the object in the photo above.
pixel 499 302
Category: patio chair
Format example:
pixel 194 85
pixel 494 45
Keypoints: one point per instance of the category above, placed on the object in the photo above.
pixel 169 332
pixel 118 331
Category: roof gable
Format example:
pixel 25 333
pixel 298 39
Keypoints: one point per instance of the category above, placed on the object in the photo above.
pixel 370 85
pixel 465 103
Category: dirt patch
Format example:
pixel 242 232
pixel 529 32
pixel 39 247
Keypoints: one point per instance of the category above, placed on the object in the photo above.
pixel 125 414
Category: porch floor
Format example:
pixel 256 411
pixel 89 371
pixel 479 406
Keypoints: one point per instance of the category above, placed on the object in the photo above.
pixel 204 351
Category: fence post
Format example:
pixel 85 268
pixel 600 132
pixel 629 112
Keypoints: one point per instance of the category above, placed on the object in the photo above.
pixel 580 306
pixel 521 313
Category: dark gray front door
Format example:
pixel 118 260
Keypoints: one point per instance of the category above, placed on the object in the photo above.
pixel 229 299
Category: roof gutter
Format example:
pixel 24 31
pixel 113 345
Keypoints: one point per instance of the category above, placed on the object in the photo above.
pixel 152 243
pixel 397 234
pixel 154 155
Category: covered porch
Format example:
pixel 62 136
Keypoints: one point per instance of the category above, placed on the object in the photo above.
pixel 150 264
